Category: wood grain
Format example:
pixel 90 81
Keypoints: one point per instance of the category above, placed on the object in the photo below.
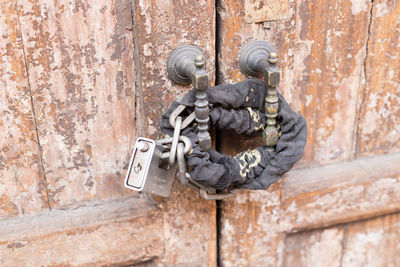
pixel 22 186
pixel 122 231
pixel 250 234
pixel 322 61
pixel 80 65
pixel 260 11
pixel 340 193
pixel 367 243
pixel 315 248
pixel 254 224
pixel 379 122
pixel 162 26
pixel 234 33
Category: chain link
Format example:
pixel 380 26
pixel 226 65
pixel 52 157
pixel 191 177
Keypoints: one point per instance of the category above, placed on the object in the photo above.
pixel 179 146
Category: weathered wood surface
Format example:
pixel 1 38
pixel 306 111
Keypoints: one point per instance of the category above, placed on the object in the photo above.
pixel 367 243
pixel 379 122
pixel 260 11
pixel 98 79
pixel 22 186
pixel 120 232
pixel 340 193
pixel 162 26
pixel 322 61
pixel 81 72
pixel 250 233
pixel 254 224
pixel 320 79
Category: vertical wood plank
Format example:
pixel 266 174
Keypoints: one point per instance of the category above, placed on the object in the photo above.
pixel 372 242
pixel 328 74
pixel 322 61
pixel 249 223
pixel 322 67
pixel 315 248
pixel 379 122
pixel 162 26
pixel 22 187
pixel 250 229
pixel 80 64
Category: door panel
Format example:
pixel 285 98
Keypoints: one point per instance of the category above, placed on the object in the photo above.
pixel 335 67
pixel 84 79
pixel 372 242
pixel 81 72
pixel 22 186
pixel 249 224
pixel 189 221
pixel 379 124
pixel 321 73
pixel 97 75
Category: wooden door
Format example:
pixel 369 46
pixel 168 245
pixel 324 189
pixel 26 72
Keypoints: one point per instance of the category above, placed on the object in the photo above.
pixel 81 80
pixel 340 64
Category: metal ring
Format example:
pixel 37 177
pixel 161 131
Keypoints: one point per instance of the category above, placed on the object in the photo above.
pixel 175 140
pixel 181 164
pixel 175 114
pixel 186 141
pixel 189 119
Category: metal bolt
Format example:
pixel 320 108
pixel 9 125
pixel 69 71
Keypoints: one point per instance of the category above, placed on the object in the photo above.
pixel 142 146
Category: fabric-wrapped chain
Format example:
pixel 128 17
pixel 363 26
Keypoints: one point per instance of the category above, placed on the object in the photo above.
pixel 239 107
pixel 248 107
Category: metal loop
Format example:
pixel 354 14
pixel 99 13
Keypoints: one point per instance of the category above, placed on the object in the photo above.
pixel 208 193
pixel 174 115
pixel 186 141
pixel 175 140
pixel 204 194
pixel 181 165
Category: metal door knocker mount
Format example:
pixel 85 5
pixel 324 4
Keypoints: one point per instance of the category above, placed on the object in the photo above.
pixel 248 107
pixel 257 58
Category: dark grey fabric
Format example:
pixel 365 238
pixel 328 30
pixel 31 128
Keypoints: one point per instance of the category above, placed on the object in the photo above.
pixel 240 107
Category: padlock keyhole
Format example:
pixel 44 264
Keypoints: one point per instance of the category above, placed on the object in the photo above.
pixel 137 168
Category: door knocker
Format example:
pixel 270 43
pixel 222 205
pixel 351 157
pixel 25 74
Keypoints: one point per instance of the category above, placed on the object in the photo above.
pixel 246 107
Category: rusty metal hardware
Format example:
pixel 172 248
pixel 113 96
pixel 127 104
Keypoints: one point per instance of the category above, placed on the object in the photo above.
pixel 186 65
pixel 260 57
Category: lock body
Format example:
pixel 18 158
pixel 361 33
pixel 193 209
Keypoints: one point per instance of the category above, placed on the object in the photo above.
pixel 145 172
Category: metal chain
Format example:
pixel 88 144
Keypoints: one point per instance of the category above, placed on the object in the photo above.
pixel 179 146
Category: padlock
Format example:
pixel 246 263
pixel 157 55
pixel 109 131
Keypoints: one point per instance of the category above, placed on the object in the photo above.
pixel 145 172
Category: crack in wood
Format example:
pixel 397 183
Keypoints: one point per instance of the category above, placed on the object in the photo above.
pixel 43 176
pixel 364 93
